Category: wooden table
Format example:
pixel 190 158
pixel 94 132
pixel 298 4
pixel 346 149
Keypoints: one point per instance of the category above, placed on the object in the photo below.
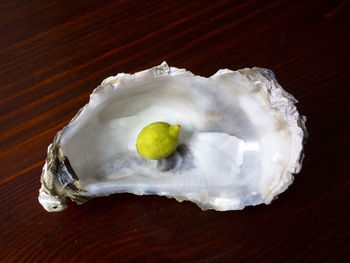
pixel 54 53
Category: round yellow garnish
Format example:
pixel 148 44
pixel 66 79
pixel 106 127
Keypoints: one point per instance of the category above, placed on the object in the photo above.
pixel 158 140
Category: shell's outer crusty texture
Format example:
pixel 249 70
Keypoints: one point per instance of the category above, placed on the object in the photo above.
pixel 60 182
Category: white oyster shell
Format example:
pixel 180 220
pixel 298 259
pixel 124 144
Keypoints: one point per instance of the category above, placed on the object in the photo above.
pixel 241 140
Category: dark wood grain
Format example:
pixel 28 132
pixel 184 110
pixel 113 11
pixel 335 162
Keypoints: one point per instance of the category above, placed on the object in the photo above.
pixel 54 53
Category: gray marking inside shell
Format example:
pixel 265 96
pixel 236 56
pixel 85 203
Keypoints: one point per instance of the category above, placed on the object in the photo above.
pixel 178 160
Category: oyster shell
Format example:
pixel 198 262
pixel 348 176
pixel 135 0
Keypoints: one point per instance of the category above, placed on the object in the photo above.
pixel 240 144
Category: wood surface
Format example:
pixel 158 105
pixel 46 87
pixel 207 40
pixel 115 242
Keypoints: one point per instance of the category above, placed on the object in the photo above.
pixel 54 53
